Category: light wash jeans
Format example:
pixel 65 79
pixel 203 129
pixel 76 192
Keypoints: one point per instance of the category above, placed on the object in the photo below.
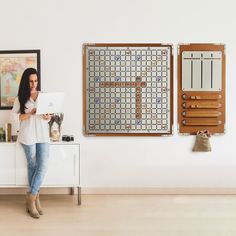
pixel 37 156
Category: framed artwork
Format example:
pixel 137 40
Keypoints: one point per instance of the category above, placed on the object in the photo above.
pixel 12 65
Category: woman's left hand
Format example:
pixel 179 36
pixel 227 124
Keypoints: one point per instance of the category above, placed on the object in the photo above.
pixel 46 116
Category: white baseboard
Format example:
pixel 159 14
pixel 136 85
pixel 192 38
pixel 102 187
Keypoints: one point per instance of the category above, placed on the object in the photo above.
pixel 112 190
pixel 126 190
pixel 22 191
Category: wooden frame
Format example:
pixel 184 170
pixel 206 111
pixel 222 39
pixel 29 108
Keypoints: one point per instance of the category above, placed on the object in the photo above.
pixel 12 65
pixel 126 45
pixel 200 110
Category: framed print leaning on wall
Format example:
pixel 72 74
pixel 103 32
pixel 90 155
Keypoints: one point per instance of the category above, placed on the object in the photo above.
pixel 12 65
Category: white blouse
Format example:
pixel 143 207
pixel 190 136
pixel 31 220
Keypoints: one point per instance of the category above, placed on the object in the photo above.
pixel 33 130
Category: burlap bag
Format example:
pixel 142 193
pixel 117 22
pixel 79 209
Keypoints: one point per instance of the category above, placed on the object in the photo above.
pixel 202 143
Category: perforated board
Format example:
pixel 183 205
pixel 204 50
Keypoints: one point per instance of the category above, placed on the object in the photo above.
pixel 128 89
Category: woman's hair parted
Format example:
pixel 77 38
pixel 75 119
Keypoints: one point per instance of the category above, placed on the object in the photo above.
pixel 24 88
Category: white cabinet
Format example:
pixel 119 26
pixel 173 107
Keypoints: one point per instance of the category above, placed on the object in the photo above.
pixel 7 164
pixel 63 169
pixel 21 168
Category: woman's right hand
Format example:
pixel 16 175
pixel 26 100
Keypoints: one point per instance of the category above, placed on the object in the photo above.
pixel 27 115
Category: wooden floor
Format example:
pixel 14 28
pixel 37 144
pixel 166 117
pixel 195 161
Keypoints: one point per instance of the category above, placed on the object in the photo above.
pixel 122 215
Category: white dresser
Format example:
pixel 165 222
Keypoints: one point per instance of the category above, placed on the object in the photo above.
pixel 63 169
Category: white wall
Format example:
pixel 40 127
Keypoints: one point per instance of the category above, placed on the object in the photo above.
pixel 60 27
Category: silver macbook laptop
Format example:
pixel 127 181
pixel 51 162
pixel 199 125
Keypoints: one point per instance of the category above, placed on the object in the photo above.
pixel 49 103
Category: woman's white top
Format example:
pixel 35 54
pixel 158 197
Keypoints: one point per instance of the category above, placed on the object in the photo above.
pixel 33 130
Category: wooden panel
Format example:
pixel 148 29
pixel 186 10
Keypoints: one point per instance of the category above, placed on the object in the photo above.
pixel 201 113
pixel 201 122
pixel 196 109
pixel 201 104
pixel 201 96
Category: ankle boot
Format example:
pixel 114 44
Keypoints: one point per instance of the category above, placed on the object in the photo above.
pixel 30 205
pixel 38 205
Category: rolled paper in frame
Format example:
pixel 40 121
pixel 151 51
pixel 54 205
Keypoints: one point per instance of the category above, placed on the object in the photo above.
pixel 8 132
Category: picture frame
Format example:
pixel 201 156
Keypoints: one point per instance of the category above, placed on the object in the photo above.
pixel 12 65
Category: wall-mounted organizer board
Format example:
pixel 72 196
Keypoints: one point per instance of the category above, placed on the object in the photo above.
pixel 128 89
pixel 201 88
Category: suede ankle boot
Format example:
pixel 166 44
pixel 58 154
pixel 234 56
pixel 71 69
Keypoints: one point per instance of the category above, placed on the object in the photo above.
pixel 31 206
pixel 38 205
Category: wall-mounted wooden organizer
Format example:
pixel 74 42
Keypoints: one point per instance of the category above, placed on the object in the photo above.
pixel 201 88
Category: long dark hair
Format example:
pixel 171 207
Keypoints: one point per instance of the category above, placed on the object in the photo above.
pixel 24 88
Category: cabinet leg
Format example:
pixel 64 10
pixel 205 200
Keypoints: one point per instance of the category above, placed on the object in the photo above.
pixel 72 191
pixel 79 195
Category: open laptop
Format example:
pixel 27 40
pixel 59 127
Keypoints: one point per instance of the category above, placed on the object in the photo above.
pixel 49 103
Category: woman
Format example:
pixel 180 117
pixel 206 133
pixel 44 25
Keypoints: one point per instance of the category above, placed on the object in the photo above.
pixel 33 136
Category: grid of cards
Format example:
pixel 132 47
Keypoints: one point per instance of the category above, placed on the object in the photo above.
pixel 128 89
